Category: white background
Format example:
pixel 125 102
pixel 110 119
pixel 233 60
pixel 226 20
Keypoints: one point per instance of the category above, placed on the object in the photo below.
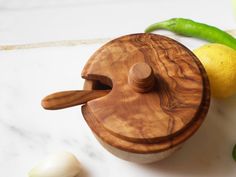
pixel 28 133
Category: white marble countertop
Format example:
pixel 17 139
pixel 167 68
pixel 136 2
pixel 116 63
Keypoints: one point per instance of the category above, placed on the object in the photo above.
pixel 28 133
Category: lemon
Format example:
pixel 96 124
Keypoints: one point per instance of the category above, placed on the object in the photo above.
pixel 220 64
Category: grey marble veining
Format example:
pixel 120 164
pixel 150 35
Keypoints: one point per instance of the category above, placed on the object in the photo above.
pixel 28 133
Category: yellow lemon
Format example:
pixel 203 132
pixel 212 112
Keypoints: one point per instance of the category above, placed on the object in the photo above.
pixel 220 64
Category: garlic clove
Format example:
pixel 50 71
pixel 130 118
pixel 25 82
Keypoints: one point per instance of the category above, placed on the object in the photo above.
pixel 63 164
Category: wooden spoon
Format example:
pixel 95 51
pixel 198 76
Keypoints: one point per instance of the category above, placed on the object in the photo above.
pixel 65 99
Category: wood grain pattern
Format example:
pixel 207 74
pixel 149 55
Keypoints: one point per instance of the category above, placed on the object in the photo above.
pixel 146 148
pixel 167 110
pixel 141 77
pixel 65 99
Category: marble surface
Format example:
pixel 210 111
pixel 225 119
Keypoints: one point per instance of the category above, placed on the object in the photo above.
pixel 28 133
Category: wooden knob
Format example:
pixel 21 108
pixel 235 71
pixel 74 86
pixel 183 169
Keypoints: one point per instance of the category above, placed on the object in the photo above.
pixel 141 77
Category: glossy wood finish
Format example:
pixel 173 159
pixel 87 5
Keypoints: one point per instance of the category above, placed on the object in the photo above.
pixel 146 122
pixel 141 77
pixel 65 99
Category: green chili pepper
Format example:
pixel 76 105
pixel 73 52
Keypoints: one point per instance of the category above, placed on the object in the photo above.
pixel 234 152
pixel 191 28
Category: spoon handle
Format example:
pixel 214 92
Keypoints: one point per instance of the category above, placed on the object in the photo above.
pixel 65 99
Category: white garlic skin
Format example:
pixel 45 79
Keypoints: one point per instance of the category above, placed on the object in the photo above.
pixel 62 164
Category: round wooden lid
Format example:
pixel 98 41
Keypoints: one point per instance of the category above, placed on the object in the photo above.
pixel 158 87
